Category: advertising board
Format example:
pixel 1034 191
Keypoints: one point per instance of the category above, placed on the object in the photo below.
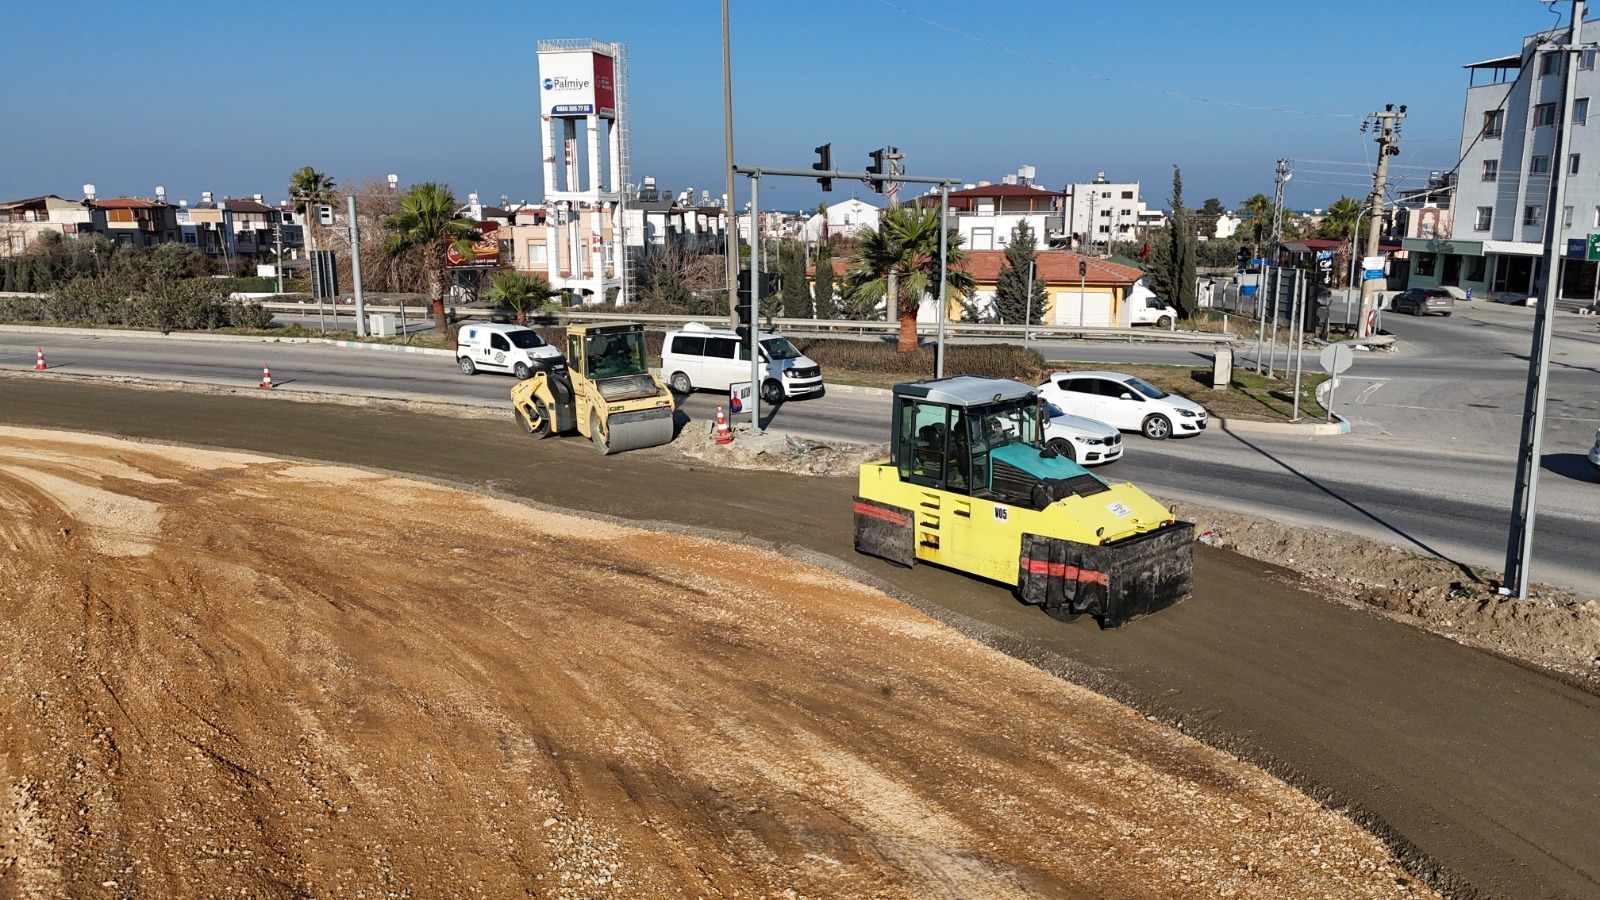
pixel 485 249
pixel 576 83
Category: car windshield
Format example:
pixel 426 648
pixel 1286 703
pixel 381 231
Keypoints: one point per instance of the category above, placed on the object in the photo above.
pixel 779 348
pixel 1145 388
pixel 614 355
pixel 527 340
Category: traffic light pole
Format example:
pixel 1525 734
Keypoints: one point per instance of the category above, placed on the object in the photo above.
pixel 755 303
pixel 825 176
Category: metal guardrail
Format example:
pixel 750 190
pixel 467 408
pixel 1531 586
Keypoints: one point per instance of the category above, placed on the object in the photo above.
pixel 857 326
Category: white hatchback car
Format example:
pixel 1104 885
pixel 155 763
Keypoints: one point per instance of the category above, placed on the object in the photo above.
pixel 1124 402
pixel 1084 441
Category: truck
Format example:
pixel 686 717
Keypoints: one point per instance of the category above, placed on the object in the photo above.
pixel 971 485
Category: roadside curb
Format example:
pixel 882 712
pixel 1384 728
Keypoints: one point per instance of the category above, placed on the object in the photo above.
pixel 1246 426
pixel 223 338
pixel 394 348
pixel 857 389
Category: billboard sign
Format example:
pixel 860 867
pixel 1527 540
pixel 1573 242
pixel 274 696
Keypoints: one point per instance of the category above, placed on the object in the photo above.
pixel 485 249
pixel 576 83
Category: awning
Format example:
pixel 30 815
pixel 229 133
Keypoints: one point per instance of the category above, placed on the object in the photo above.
pixel 1513 248
pixel 1443 245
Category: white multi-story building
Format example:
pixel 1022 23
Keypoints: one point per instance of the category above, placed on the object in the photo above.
pixel 1101 212
pixel 844 217
pixel 1493 243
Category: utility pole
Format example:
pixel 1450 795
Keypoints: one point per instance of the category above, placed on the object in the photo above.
pixel 1088 230
pixel 1386 125
pixel 1519 544
pixel 355 270
pixel 730 241
pixel 277 240
pixel 1283 176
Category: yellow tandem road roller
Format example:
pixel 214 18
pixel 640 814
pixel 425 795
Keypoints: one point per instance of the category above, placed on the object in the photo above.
pixel 606 392
pixel 969 485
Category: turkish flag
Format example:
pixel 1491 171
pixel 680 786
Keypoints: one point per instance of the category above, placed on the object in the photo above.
pixel 1145 252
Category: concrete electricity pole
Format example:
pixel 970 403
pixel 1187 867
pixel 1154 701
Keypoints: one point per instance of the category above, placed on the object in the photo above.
pixel 1283 176
pixel 1386 125
pixel 1519 544
pixel 731 222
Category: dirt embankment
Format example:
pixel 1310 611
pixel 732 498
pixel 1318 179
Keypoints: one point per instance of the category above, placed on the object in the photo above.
pixel 229 675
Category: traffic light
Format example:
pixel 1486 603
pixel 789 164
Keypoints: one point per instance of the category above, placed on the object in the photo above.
pixel 824 163
pixel 1242 256
pixel 876 169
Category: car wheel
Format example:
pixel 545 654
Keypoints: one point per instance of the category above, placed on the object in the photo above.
pixel 1447 314
pixel 681 383
pixel 522 371
pixel 1156 428
pixel 1063 447
pixel 1164 322
pixel 1417 310
pixel 595 435
pixel 771 392
pixel 467 368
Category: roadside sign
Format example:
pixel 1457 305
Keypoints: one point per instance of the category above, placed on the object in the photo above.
pixel 1577 248
pixel 738 397
pixel 1594 248
pixel 1336 358
pixel 1371 274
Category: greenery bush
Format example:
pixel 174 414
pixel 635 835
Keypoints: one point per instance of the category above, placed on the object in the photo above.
pixel 989 360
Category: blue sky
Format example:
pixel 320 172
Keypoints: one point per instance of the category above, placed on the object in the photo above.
pixel 233 97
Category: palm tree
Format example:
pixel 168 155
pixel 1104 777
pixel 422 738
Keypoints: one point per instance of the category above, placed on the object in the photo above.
pixel 427 219
pixel 900 259
pixel 518 292
pixel 1258 210
pixel 308 187
pixel 1340 223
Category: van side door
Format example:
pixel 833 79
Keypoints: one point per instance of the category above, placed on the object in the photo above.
pixel 722 366
pixel 497 353
pixel 688 355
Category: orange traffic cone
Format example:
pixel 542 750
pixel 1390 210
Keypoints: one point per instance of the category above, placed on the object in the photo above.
pixel 266 377
pixel 40 366
pixel 723 433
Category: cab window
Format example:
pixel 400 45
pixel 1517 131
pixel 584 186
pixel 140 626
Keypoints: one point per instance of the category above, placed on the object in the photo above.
pixel 498 341
pixel 720 348
pixel 689 345
pixel 924 434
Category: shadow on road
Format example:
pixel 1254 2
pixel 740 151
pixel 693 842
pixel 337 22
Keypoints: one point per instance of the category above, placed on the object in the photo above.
pixel 1379 520
pixel 1570 465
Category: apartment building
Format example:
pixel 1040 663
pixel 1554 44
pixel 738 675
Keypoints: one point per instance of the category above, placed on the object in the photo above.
pixel 24 222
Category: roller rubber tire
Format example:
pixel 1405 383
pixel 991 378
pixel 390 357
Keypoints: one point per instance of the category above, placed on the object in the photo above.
pixel 596 436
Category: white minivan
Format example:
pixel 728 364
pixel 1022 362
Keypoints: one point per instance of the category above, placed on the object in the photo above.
pixel 698 356
pixel 1145 308
pixel 505 348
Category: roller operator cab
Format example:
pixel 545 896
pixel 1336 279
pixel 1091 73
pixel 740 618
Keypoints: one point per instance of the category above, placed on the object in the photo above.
pixel 606 393
pixel 971 485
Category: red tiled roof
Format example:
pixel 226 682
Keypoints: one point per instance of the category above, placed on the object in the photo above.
pixel 1053 267
pixel 249 206
pixel 128 203
pixel 1005 190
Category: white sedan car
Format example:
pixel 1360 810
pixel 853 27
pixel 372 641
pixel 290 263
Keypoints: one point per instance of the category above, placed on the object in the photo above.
pixel 1084 441
pixel 1124 402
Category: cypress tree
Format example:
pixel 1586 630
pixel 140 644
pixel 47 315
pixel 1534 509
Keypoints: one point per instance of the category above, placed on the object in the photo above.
pixel 1011 286
pixel 822 283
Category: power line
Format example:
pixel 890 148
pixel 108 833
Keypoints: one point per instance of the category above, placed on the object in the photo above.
pixel 1096 75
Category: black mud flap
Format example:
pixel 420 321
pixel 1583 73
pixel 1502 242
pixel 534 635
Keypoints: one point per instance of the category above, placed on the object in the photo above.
pixel 1115 583
pixel 885 531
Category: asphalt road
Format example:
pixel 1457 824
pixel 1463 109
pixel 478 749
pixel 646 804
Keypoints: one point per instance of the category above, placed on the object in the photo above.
pixel 1430 465
pixel 1475 768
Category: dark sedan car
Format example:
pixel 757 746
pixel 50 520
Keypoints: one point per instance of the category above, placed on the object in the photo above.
pixel 1422 301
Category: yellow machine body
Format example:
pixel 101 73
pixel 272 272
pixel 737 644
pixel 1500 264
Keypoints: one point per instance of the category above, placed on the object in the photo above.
pixel 606 392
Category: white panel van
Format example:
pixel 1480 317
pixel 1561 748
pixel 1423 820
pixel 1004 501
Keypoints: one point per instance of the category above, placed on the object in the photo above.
pixel 698 356
pixel 505 348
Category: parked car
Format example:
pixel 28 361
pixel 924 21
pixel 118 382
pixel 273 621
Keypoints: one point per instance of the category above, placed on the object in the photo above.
pixel 1422 301
pixel 1594 452
pixel 1124 402
pixel 1084 441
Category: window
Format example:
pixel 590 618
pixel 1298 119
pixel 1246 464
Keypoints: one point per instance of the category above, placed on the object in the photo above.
pixel 499 342
pixel 1475 268
pixel 1586 59
pixel 1572 164
pixel 119 215
pixel 534 253
pixel 1425 263
pixel 689 345
pixel 1539 165
pixel 1580 111
pixel 1127 195
pixel 1493 122
pixel 1486 218
pixel 1550 63
pixel 1531 214
pixel 1491 169
pixel 16 243
pixel 721 348
pixel 1544 114
pixel 1566 217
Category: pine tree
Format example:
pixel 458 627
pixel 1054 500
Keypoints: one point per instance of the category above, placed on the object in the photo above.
pixel 796 303
pixel 822 282
pixel 1178 279
pixel 1011 287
